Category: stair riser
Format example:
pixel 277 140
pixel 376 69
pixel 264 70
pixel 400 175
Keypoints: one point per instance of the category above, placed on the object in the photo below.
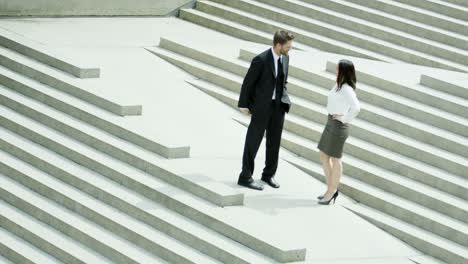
pixel 312 154
pixel 417 134
pixel 168 152
pixel 413 94
pixel 365 29
pixel 352 39
pixel 230 30
pixel 124 156
pixel 166 200
pixel 265 27
pixel 438 8
pixel 14 256
pixel 396 211
pixel 319 117
pixel 415 16
pixel 37 241
pixel 382 162
pixel 422 245
pixel 66 228
pixel 392 23
pixel 444 86
pixel 49 60
pixel 70 89
pixel 114 201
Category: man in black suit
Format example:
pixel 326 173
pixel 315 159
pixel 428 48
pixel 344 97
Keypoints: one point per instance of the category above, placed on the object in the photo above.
pixel 264 96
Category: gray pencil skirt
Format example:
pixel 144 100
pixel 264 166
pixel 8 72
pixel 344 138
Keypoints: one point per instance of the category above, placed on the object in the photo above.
pixel 333 138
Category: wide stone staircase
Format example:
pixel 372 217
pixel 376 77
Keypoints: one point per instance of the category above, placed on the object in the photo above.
pixel 386 30
pixel 406 159
pixel 78 185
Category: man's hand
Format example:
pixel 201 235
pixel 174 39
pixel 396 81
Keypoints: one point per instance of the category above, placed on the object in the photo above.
pixel 245 110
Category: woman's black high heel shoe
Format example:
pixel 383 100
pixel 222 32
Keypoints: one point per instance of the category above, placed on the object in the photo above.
pixel 328 202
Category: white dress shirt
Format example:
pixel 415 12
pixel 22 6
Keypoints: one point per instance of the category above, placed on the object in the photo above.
pixel 275 60
pixel 343 102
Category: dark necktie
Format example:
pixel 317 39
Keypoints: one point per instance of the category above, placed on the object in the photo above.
pixel 279 81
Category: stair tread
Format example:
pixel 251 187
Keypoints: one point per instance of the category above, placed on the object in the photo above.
pixel 209 185
pixel 301 31
pixel 401 19
pixel 386 153
pixel 410 229
pixel 125 194
pixel 377 26
pixel 425 12
pixel 50 235
pixel 86 86
pixel 132 125
pixel 389 198
pixel 100 234
pixel 371 54
pixel 362 123
pixel 364 36
pixel 240 26
pixel 388 175
pixel 321 109
pixel 224 215
pixel 24 248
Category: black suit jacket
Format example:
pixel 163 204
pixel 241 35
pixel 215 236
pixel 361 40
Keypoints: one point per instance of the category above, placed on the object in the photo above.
pixel 259 83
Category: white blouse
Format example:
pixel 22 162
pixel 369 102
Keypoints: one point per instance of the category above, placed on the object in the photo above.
pixel 343 102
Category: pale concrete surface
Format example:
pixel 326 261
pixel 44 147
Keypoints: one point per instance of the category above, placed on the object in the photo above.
pixel 89 7
pixel 331 234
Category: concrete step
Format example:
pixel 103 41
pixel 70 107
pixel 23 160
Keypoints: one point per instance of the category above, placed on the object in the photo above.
pixel 122 211
pixel 88 233
pixel 440 7
pixel 46 238
pixel 313 91
pixel 434 56
pixel 229 27
pixel 119 149
pixel 391 182
pixel 57 80
pixel 18 250
pixel 434 19
pixel 445 140
pixel 404 166
pixel 303 37
pixel 374 89
pixel 426 259
pixel 368 28
pixel 228 222
pixel 6 261
pixel 93 115
pixel 445 86
pixel 458 2
pixel 43 54
pixel 308 110
pixel 407 211
pixel 411 234
pixel 406 25
pixel 425 95
pixel 444 203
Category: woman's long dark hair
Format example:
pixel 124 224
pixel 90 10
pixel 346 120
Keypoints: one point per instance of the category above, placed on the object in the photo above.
pixel 346 74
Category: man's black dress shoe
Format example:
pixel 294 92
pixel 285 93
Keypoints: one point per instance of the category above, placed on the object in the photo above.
pixel 271 181
pixel 251 184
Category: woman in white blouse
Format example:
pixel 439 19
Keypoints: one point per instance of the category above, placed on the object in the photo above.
pixel 343 107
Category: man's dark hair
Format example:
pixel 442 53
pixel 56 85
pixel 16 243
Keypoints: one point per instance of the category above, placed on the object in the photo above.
pixel 282 37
